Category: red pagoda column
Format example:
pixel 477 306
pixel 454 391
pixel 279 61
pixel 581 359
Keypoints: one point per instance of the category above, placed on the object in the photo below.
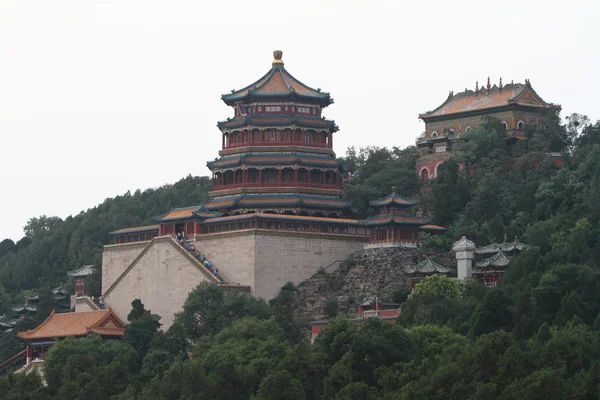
pixel 295 176
pixel 280 175
pixel 260 176
pixel 223 142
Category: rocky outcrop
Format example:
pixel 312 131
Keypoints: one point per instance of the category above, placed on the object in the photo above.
pixel 380 271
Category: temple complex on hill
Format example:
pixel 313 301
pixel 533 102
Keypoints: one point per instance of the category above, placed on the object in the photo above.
pixel 276 211
pixel 516 105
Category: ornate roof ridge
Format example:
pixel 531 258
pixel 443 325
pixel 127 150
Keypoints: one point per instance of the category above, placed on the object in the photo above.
pixel 514 90
pixel 427 266
pixel 392 198
pixel 500 259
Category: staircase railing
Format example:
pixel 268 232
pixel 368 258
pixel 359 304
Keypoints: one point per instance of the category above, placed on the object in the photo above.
pixel 18 361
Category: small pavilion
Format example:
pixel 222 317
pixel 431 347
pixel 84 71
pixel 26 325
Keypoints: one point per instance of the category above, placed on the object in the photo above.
pixel 394 226
pixel 79 277
pixel 424 269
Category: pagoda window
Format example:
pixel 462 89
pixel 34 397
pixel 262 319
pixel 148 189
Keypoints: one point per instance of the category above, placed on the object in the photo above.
pixel 302 175
pixel 252 176
pixel 505 125
pixel 287 175
pixel 467 129
pixel 255 136
pixel 287 135
pixel 273 108
pixel 520 125
pixel 270 176
pixel 271 135
pixel 434 135
pixel 245 136
pixel 298 137
pixel 440 149
pixel 307 137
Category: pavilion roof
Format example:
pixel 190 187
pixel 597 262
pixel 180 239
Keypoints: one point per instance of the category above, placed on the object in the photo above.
pixel 102 322
pixel 499 260
pixel 84 271
pixel 512 247
pixel 135 229
pixel 433 228
pixel 277 83
pixel 427 267
pixel 489 98
pixel 393 199
pixel 279 120
pixel 395 219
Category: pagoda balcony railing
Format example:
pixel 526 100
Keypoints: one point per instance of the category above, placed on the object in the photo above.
pixel 277 184
pixel 321 145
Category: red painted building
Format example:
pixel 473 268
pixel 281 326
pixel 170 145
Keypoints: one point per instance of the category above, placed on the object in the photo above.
pixel 385 312
pixel 516 105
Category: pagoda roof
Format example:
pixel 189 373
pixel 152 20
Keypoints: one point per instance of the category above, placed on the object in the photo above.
pixel 499 260
pixel 102 322
pixel 393 199
pixel 273 200
pixel 279 120
pixel 390 219
pixel 84 271
pixel 314 160
pixel 135 229
pixel 299 218
pixel 504 247
pixel 489 98
pixel 427 267
pixel 433 228
pixel 277 83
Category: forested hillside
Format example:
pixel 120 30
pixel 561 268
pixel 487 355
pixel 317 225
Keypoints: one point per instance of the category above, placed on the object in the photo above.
pixel 535 336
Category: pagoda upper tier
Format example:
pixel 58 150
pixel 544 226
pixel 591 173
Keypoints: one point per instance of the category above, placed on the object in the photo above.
pixel 278 145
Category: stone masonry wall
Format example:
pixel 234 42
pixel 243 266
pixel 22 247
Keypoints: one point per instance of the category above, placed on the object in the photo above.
pixel 295 258
pixel 116 258
pixel 161 279
pixel 232 253
pixel 374 270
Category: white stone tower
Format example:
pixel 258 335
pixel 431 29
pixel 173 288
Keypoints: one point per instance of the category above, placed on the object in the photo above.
pixel 464 250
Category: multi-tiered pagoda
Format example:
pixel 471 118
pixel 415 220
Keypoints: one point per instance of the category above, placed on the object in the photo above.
pixel 277 151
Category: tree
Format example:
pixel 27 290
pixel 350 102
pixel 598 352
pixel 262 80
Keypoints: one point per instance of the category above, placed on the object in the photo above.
pixel 209 309
pixel 141 329
pixel 437 285
pixel 280 386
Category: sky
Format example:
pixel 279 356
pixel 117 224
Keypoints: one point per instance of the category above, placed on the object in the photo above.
pixel 101 97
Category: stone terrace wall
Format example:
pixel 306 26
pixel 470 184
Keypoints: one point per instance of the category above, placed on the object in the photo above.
pixel 116 258
pixel 375 269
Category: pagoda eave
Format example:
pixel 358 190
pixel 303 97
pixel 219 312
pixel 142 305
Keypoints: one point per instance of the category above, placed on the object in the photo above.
pixel 278 189
pixel 322 99
pixel 275 149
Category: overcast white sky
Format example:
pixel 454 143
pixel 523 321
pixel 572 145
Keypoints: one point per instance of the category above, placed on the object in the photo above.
pixel 101 97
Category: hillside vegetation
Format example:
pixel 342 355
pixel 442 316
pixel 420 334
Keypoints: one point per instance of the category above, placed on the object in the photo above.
pixel 535 336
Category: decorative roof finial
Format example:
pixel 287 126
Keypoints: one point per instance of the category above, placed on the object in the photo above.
pixel 393 189
pixel 277 54
pixel 500 83
pixel 488 84
pixel 476 86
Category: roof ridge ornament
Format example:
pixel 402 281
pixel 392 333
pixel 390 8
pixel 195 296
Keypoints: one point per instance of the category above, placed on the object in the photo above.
pixel 488 86
pixel 476 87
pixel 500 86
pixel 277 61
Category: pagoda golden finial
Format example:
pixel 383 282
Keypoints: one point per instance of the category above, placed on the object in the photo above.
pixel 277 54
pixel 393 189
